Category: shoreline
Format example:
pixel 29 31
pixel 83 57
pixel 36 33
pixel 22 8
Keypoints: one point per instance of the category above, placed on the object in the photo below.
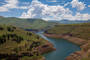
pixel 48 47
pixel 78 41
pixel 74 40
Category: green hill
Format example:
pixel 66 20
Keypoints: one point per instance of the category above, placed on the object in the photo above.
pixel 77 30
pixel 26 23
pixel 17 44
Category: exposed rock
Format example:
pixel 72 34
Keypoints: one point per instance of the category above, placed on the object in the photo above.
pixel 75 56
pixel 46 48
pixel 75 40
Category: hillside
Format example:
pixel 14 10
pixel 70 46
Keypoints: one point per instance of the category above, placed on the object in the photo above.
pixel 17 44
pixel 76 33
pixel 77 30
pixel 26 23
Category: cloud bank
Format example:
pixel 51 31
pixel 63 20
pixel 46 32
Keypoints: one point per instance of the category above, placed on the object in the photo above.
pixel 36 9
pixel 40 10
pixel 10 4
pixel 78 5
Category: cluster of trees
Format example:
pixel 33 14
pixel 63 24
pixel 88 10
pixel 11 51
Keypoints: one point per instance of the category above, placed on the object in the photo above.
pixel 13 37
pixel 34 44
pixel 10 29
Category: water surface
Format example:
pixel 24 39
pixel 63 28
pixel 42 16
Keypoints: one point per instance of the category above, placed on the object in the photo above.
pixel 63 48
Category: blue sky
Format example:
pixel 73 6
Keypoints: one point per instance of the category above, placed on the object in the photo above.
pixel 46 9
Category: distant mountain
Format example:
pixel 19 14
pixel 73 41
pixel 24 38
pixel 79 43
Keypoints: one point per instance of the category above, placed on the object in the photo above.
pixel 71 22
pixel 26 23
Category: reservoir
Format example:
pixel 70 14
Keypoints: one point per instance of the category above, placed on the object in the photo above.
pixel 63 48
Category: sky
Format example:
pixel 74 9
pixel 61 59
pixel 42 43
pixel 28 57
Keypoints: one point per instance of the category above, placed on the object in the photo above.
pixel 46 9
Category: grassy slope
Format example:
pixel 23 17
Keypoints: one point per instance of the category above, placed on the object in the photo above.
pixel 77 30
pixel 26 23
pixel 17 41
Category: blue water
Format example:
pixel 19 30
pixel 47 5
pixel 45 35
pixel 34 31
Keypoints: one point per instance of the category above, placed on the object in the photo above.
pixel 63 48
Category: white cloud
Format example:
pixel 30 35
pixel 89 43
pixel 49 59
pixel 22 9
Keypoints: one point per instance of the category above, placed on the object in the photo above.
pixel 78 16
pixel 39 10
pixel 3 9
pixel 10 4
pixel 78 5
pixel 51 0
pixel 23 7
pixel 66 4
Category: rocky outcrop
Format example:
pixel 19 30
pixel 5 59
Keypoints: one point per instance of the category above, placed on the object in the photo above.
pixel 79 55
pixel 75 40
pixel 75 56
pixel 48 47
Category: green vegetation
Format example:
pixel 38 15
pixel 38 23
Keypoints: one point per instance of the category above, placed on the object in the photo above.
pixel 86 59
pixel 77 30
pixel 26 23
pixel 31 58
pixel 16 44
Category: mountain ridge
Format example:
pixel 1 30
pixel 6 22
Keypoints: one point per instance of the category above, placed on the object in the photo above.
pixel 26 23
pixel 70 21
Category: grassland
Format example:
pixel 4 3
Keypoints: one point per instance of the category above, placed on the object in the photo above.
pixel 17 44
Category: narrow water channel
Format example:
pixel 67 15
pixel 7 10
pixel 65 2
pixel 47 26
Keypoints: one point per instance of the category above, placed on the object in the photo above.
pixel 63 48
